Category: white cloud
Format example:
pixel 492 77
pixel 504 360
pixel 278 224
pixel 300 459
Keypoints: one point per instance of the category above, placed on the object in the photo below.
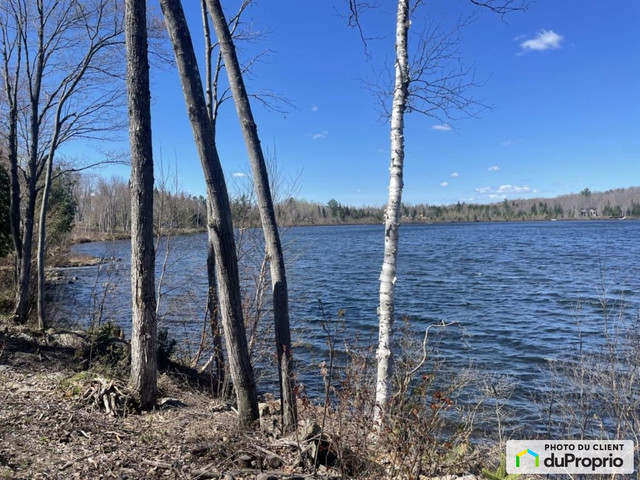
pixel 455 175
pixel 444 127
pixel 502 191
pixel 494 168
pixel 239 174
pixel 444 184
pixel 544 40
pixel 506 143
pixel 318 135
pixel 314 108
pixel 515 189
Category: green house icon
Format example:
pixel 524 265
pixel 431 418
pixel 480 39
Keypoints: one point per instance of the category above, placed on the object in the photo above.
pixel 530 452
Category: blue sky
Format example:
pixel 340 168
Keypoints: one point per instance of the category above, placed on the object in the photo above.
pixel 563 80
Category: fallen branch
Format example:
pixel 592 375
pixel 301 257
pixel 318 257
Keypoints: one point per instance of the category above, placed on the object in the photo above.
pixel 154 463
pixel 269 453
pixel 283 442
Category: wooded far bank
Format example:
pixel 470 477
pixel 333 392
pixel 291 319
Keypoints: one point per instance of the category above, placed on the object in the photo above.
pixel 93 207
pixel 102 207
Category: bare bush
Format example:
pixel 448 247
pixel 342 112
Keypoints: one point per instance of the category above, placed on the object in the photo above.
pixel 594 390
pixel 430 417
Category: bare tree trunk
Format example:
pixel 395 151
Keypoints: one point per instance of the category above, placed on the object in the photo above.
pixel 14 204
pixel 35 86
pixel 214 316
pixel 208 50
pixel 14 213
pixel 392 215
pixel 220 227
pixel 13 45
pixel 143 336
pixel 24 273
pixel 42 237
pixel 213 302
pixel 267 215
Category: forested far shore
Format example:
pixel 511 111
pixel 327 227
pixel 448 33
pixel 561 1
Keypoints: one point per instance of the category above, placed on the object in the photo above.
pixel 97 208
pixel 103 209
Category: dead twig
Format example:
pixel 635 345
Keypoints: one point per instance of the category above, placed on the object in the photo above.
pixel 155 463
pixel 74 461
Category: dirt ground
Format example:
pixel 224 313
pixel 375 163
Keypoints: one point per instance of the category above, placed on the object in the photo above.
pixel 54 425
pixel 47 432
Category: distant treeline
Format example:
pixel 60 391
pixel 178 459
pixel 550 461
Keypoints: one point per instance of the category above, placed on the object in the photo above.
pixel 586 204
pixel 102 206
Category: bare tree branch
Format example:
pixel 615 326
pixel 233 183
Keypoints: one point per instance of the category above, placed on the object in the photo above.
pixel 503 7
pixel 241 32
pixel 440 84
pixel 356 9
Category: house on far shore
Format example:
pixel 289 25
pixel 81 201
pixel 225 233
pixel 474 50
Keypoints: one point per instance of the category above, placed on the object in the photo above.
pixel 588 212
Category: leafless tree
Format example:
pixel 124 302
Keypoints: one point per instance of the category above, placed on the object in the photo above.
pixel 58 66
pixel 433 83
pixel 102 26
pixel 214 100
pixel 267 215
pixel 12 66
pixel 143 334
pixel 216 95
pixel 220 225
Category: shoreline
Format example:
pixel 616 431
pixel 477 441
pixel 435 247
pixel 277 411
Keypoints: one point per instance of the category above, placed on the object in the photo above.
pixel 95 238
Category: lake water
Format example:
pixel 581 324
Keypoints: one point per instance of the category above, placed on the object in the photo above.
pixel 518 290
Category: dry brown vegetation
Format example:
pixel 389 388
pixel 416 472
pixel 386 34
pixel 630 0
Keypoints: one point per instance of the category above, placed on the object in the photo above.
pixel 54 424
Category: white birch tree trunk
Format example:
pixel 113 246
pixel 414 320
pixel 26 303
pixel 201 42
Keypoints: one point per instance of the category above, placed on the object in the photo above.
pixel 392 214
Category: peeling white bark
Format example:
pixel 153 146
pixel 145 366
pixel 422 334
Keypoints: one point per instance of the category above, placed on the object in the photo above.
pixel 392 215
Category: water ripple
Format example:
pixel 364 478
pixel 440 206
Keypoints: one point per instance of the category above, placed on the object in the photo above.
pixel 523 293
